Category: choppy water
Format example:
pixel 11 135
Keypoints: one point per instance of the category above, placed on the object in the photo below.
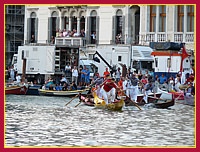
pixel 46 121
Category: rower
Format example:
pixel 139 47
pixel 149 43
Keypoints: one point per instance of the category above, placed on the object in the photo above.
pixel 108 89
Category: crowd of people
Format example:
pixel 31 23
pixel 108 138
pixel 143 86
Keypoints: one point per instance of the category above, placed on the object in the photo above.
pixel 109 85
pixel 133 83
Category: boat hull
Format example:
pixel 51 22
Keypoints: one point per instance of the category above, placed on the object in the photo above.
pixel 164 104
pixel 17 90
pixel 33 90
pixel 61 93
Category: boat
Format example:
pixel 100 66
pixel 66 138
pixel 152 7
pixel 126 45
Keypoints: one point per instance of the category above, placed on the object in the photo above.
pixel 61 93
pixel 16 89
pixel 165 94
pixel 117 105
pixel 150 95
pixel 177 95
pixel 86 99
pixel 140 101
pixel 162 104
pixel 33 89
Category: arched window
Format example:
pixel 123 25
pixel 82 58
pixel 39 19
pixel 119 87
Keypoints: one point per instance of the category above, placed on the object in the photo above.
pixel 33 20
pixel 32 28
pixel 73 20
pixel 93 28
pixel 119 21
pixel 66 21
pixel 118 27
pixel 53 25
pixel 82 22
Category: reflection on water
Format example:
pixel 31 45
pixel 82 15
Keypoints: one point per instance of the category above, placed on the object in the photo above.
pixel 46 121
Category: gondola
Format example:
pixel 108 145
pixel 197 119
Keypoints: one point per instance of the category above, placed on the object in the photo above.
pixel 61 93
pixel 162 104
pixel 117 105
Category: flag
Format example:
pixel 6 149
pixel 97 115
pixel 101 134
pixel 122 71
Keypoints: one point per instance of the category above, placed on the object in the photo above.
pixel 183 56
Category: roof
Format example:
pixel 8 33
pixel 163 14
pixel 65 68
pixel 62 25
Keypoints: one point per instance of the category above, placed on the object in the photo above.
pixel 142 53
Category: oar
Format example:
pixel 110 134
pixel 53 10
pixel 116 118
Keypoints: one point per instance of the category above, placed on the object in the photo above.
pixel 131 101
pixel 78 104
pixel 72 99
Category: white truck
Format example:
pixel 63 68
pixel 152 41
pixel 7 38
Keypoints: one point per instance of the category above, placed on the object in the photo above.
pixel 43 61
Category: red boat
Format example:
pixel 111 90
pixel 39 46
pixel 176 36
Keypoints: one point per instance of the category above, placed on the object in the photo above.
pixel 18 90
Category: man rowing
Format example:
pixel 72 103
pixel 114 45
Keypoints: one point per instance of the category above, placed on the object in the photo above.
pixel 108 89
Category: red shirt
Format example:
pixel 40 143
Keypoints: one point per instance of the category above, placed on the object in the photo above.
pixel 108 85
pixel 106 73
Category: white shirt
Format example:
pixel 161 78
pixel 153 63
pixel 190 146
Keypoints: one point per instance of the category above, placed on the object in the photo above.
pixel 67 67
pixel 18 78
pixel 124 84
pixel 74 72
pixel 118 73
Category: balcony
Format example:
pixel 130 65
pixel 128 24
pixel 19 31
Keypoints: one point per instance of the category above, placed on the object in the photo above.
pixel 70 41
pixel 187 37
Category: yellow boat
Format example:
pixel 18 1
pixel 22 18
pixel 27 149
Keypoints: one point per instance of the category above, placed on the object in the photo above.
pixel 115 106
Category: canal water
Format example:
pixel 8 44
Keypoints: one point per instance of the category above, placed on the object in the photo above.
pixel 45 121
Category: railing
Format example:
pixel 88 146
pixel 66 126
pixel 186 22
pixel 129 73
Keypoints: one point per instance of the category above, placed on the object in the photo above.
pixel 70 41
pixel 187 37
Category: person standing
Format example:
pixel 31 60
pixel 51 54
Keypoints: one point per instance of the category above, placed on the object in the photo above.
pixel 98 80
pixel 87 77
pixel 134 87
pixel 147 90
pixel 68 70
pixel 118 75
pixel 106 72
pixel 108 89
pixel 75 75
pixel 93 37
pixel 12 73
pixel 83 73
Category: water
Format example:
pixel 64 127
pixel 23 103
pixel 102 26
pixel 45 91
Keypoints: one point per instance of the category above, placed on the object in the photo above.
pixel 46 121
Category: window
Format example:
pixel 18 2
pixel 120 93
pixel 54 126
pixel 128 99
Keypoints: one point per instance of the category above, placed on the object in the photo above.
pixel 66 23
pixel 82 23
pixel 152 18
pixel 119 22
pixel 169 62
pixel 54 24
pixel 119 58
pixel 93 28
pixel 162 18
pixel 156 62
pixel 190 18
pixel 180 20
pixel 74 23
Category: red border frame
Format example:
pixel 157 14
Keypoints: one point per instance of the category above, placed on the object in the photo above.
pixel 2 149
